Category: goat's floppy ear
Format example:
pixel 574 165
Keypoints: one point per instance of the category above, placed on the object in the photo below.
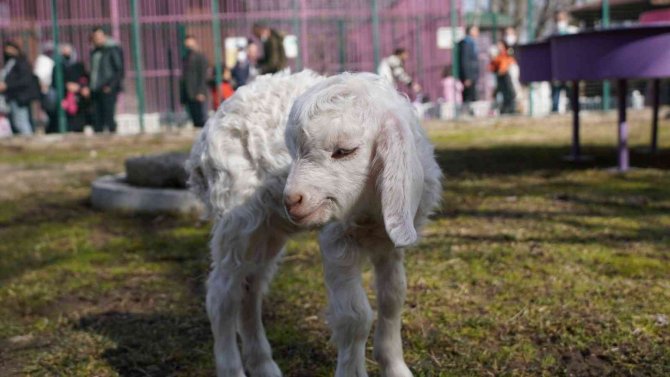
pixel 400 181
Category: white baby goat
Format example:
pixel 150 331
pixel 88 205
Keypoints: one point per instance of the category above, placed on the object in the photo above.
pixel 302 151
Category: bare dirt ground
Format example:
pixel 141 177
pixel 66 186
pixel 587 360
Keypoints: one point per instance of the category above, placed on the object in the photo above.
pixel 31 165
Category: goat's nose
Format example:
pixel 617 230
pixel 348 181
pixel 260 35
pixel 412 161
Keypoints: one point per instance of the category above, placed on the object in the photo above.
pixel 291 200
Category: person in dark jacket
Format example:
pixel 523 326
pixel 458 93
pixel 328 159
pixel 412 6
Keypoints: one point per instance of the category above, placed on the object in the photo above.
pixel 469 66
pixel 19 87
pixel 194 86
pixel 274 56
pixel 245 69
pixel 106 82
pixel 76 100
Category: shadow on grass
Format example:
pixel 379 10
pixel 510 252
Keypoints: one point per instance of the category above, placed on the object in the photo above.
pixel 174 338
pixel 515 160
pixel 456 163
pixel 164 344
pixel 156 344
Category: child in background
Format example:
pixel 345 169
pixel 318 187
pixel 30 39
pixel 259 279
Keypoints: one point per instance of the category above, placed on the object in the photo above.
pixel 5 126
pixel 226 90
pixel 452 92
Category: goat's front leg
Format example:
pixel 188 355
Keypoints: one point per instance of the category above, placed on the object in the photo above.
pixel 349 312
pixel 391 285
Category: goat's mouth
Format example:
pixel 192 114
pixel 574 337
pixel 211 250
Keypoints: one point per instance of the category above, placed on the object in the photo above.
pixel 319 215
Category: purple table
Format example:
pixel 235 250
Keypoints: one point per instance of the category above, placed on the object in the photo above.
pixel 639 52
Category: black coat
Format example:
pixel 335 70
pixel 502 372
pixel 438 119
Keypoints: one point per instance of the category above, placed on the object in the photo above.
pixel 241 72
pixel 110 70
pixel 22 85
pixel 274 56
pixel 76 73
pixel 194 76
pixel 469 60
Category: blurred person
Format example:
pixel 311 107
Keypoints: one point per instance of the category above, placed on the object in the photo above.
pixel 226 89
pixel 469 66
pixel 510 37
pixel 245 69
pixel 562 24
pixel 43 68
pixel 274 56
pixel 392 68
pixel 77 96
pixel 561 27
pixel 194 82
pixel 5 126
pixel 106 81
pixel 452 90
pixel 19 87
pixel 500 65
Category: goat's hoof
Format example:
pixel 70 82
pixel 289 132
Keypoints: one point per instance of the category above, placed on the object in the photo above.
pixel 396 370
pixel 360 372
pixel 265 369
pixel 230 372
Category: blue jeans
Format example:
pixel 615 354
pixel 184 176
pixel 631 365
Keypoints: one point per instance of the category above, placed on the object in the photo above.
pixel 556 88
pixel 20 118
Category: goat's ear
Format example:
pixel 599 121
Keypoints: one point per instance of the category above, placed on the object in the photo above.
pixel 400 181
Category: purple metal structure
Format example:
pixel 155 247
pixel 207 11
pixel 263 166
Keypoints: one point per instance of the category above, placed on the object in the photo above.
pixel 639 52
pixel 333 36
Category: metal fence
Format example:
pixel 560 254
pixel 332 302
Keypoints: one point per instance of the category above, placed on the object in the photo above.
pixel 330 36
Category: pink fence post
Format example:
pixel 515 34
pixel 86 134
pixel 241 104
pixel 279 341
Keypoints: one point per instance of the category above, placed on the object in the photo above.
pixel 114 12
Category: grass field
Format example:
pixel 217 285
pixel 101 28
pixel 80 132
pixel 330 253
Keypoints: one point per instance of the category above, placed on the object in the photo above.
pixel 533 266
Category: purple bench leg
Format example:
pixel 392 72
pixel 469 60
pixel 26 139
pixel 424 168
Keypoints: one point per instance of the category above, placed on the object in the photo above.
pixel 654 115
pixel 623 127
pixel 576 153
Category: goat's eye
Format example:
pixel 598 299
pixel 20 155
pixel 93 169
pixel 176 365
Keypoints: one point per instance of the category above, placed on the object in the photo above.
pixel 342 152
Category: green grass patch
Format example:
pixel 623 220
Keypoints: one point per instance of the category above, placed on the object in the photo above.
pixel 532 267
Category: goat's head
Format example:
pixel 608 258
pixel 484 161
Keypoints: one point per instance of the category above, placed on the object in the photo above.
pixel 352 140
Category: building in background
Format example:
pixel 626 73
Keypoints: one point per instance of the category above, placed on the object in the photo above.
pixel 621 12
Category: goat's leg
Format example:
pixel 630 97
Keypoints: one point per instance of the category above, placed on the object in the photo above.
pixel 223 302
pixel 256 350
pixel 391 285
pixel 232 239
pixel 349 312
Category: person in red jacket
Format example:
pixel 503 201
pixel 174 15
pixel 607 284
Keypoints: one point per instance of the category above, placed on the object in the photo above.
pixel 226 89
pixel 500 65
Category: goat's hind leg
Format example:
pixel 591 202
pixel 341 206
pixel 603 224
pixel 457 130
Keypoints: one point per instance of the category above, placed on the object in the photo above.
pixel 223 303
pixel 256 350
pixel 245 253
pixel 224 293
